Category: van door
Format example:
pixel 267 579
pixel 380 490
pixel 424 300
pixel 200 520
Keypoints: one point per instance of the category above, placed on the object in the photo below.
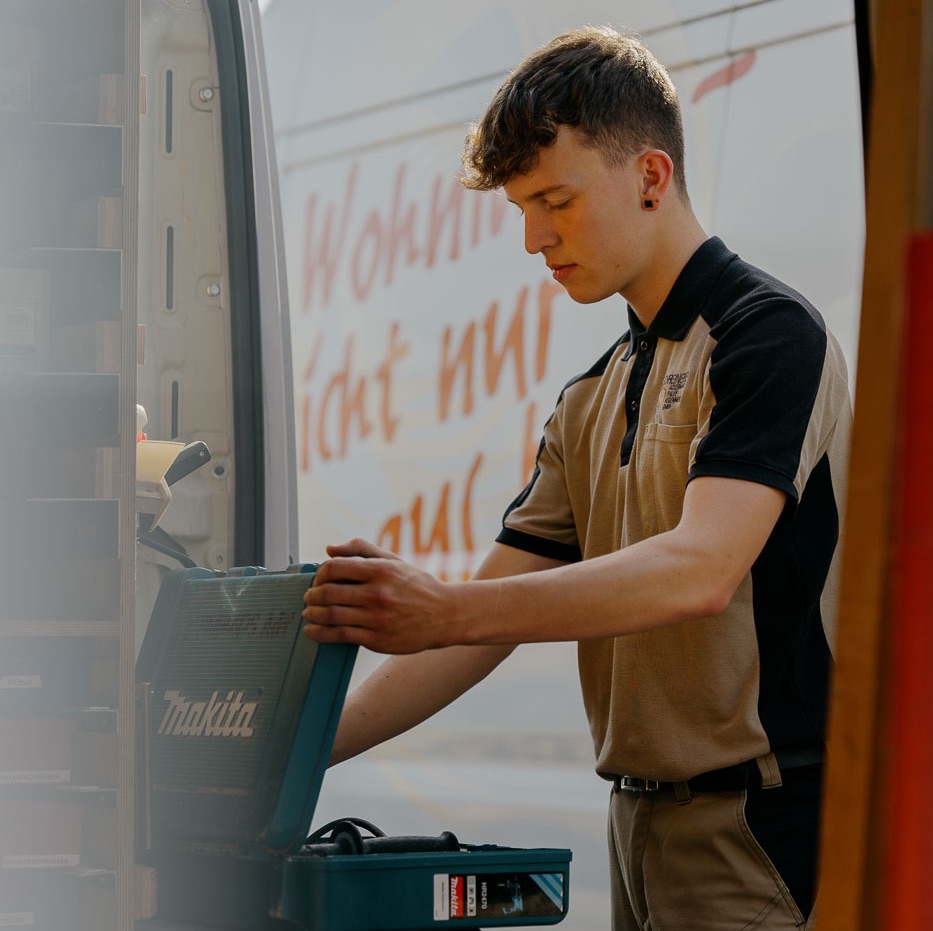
pixel 215 365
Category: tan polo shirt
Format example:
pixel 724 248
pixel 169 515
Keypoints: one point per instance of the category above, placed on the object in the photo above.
pixel 737 376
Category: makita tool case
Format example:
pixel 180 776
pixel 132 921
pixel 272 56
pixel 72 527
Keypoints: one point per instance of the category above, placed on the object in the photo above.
pixel 238 714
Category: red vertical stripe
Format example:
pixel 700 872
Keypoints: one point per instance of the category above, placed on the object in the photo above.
pixel 909 780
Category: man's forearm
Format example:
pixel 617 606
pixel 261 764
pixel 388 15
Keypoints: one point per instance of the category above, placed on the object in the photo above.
pixel 406 690
pixel 689 572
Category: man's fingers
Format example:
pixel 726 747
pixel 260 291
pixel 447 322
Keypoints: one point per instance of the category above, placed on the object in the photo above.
pixel 360 636
pixel 336 615
pixel 331 597
pixel 348 593
pixel 325 633
pixel 343 569
pixel 359 547
pixel 340 603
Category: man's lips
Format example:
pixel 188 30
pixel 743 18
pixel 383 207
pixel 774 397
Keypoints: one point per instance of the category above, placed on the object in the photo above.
pixel 561 272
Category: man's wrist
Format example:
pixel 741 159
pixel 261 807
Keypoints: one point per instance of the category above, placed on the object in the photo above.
pixel 461 626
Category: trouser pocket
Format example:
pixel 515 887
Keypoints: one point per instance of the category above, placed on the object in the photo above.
pixel 785 823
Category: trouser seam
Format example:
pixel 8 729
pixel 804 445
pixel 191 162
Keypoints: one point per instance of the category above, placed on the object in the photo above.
pixel 783 892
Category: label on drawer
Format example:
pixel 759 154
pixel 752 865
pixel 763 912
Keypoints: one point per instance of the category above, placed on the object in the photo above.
pixel 35 777
pixel 42 860
pixel 17 919
pixel 20 682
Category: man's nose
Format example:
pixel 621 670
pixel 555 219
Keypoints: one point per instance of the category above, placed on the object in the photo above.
pixel 539 233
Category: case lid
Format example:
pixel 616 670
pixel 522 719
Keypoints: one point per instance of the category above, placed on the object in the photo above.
pixel 243 710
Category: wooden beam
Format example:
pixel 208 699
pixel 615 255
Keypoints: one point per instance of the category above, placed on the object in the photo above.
pixel 849 898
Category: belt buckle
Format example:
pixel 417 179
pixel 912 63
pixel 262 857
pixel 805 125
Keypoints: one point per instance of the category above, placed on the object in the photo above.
pixel 637 784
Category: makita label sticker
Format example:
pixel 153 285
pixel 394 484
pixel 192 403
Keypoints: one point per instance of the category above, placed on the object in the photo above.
pixel 222 715
pixel 17 919
pixel 456 896
pixel 499 895
pixel 20 682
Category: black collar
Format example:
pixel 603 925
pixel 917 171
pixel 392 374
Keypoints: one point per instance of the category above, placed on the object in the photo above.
pixel 689 294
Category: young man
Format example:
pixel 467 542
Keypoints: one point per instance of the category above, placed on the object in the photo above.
pixel 681 524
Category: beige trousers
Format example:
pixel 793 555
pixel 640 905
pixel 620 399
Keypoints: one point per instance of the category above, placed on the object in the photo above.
pixel 693 867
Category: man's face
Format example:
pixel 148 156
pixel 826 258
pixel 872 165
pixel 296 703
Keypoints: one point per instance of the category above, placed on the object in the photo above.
pixel 584 216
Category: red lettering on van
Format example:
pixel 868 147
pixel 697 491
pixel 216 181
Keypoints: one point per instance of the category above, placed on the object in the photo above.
pixel 323 248
pixel 384 240
pixel 736 69
pixel 421 535
pixel 445 211
pixel 351 402
pixel 419 227
pixel 515 344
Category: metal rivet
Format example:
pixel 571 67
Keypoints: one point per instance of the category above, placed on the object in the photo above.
pixel 206 93
pixel 213 290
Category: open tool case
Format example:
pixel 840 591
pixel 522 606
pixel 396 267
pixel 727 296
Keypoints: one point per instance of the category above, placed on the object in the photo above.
pixel 238 714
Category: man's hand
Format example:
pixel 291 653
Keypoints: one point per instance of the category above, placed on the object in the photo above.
pixel 368 596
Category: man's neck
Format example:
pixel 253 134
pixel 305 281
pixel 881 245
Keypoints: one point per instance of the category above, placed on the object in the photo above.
pixel 676 239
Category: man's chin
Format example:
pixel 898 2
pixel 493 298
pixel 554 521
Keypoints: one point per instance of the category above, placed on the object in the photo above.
pixel 581 296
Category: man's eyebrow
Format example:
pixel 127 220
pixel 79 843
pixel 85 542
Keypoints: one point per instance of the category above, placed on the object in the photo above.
pixel 538 195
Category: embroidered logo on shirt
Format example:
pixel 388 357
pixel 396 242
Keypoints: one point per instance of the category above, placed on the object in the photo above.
pixel 673 390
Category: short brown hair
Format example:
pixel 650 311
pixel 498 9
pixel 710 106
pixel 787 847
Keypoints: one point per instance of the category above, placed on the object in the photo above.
pixel 604 83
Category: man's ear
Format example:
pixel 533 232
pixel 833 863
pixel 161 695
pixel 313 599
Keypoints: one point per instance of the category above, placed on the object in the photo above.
pixel 657 172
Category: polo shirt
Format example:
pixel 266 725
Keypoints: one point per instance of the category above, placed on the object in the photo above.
pixel 738 377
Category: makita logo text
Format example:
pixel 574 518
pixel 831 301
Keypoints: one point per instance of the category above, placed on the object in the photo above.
pixel 231 717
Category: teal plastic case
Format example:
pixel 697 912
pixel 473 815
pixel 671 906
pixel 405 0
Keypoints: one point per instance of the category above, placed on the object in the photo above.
pixel 243 714
pixel 476 887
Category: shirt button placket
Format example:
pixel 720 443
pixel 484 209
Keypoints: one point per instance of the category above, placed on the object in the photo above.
pixel 636 386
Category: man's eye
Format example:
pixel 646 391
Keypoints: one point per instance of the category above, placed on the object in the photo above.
pixel 560 205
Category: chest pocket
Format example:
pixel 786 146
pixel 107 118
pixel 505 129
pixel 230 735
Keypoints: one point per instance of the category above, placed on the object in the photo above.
pixel 664 459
